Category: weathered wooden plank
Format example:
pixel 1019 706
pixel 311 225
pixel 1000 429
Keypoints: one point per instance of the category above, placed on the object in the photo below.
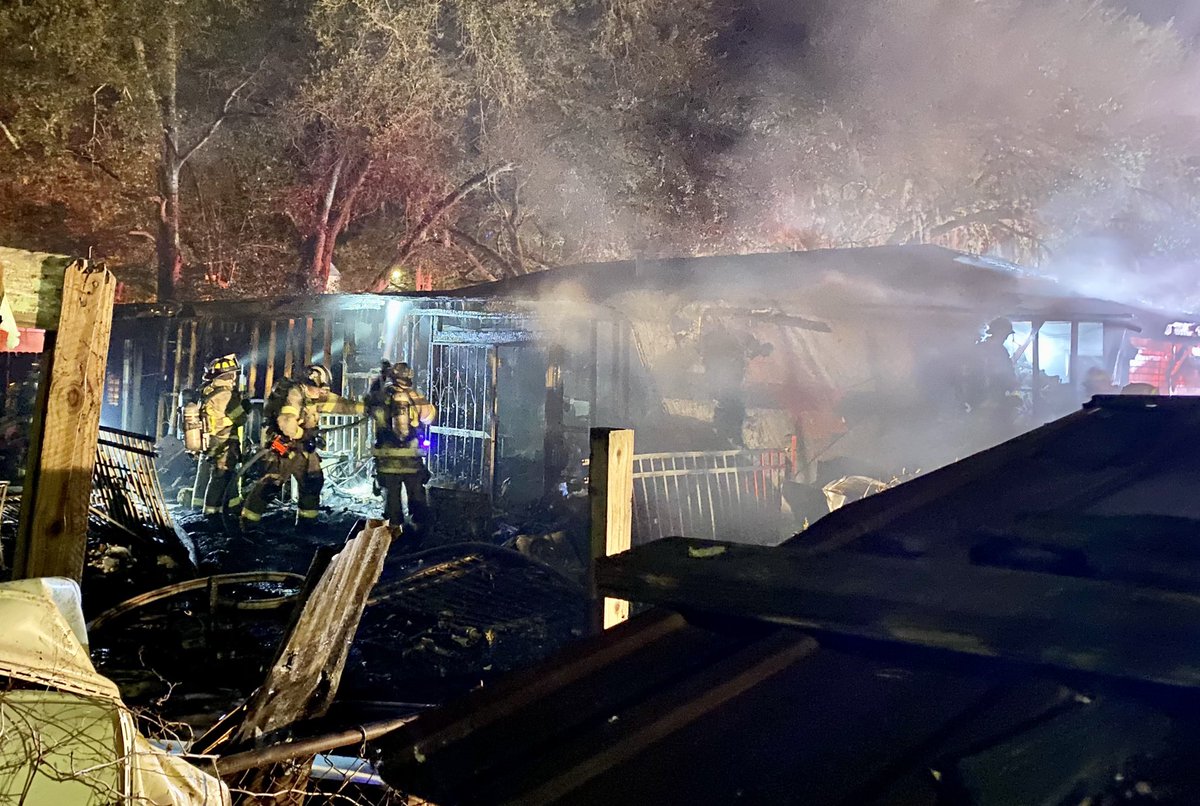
pixel 304 679
pixel 252 361
pixel 191 360
pixel 610 493
pixel 176 381
pixel 1078 624
pixel 52 534
pixel 33 286
pixel 289 350
pixel 269 378
pixel 308 340
pixel 348 350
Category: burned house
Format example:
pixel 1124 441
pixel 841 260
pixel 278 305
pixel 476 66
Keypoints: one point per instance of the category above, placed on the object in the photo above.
pixel 752 371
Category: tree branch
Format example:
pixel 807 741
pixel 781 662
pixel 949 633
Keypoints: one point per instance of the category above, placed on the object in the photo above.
pixel 447 202
pixel 464 240
pixel 216 124
pixel 331 192
pixel 95 163
pixel 8 135
pixel 476 264
pixel 346 208
pixel 990 217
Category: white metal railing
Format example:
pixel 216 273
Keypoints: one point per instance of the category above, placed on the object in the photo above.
pixel 708 494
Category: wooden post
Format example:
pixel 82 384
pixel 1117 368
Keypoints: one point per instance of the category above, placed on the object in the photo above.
pixel 269 381
pixel 126 399
pixel 207 350
pixel 139 377
pixel 308 341
pixel 492 455
pixel 554 444
pixel 348 349
pixel 52 536
pixel 176 382
pixel 252 370
pixel 288 350
pixel 191 361
pixel 162 406
pixel 610 493
pixel 327 345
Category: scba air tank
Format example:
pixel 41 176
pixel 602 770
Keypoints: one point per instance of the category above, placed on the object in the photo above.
pixel 193 423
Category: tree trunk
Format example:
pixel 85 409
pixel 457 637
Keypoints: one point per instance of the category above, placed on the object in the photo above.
pixel 170 258
pixel 314 269
pixel 344 214
pixel 163 77
pixel 170 262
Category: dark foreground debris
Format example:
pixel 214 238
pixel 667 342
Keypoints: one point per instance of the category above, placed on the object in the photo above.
pixel 1019 627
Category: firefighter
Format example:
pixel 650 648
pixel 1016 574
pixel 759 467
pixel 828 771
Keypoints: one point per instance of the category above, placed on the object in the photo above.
pixel 292 437
pixel 991 387
pixel 398 410
pixel 726 355
pixel 224 414
pixel 997 374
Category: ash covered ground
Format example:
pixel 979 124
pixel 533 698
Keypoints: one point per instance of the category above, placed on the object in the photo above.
pixel 448 614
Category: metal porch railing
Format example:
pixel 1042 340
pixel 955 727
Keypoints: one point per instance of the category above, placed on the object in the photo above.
pixel 736 494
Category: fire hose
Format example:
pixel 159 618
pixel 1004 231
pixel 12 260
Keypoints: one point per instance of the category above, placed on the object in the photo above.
pixel 187 586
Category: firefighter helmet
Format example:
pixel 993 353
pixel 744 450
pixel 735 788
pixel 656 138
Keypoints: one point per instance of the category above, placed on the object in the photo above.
pixel 1000 328
pixel 318 375
pixel 221 366
pixel 403 373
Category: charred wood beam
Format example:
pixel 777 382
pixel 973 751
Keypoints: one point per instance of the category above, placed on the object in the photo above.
pixel 303 680
pixel 1070 623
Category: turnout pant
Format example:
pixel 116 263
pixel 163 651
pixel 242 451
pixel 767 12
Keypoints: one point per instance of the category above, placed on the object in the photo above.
pixel 305 468
pixel 222 490
pixel 399 469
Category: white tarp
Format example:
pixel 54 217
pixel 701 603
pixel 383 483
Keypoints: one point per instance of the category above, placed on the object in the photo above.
pixel 65 736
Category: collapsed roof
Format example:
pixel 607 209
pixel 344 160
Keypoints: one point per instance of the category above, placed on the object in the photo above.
pixel 1018 627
